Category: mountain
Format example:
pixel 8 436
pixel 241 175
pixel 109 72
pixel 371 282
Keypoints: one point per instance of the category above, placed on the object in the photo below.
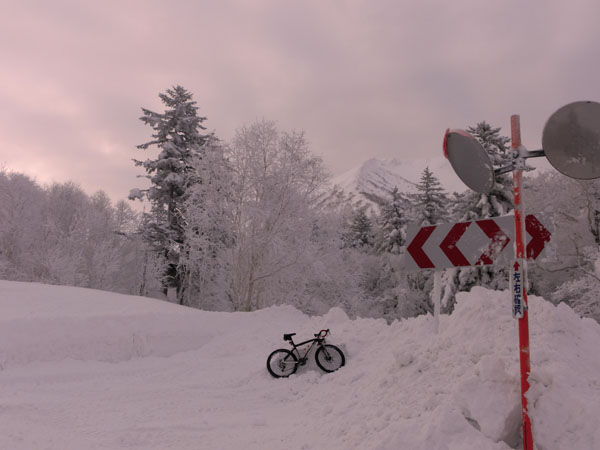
pixel 373 181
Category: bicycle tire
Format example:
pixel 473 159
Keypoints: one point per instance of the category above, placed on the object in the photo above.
pixel 329 358
pixel 282 363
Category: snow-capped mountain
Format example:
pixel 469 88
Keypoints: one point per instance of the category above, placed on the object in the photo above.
pixel 374 180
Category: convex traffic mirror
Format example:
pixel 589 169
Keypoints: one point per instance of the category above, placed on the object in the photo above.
pixel 469 160
pixel 571 140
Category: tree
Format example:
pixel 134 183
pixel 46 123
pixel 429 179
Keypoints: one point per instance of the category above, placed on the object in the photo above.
pixel 276 186
pixel 498 202
pixel 430 202
pixel 125 217
pixel 392 224
pixel 573 249
pixel 62 241
pixel 359 232
pixel 21 224
pixel 209 233
pixel 178 136
pixel 580 292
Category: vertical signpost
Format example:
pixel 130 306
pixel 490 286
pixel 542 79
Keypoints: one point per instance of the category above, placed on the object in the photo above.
pixel 571 141
pixel 520 275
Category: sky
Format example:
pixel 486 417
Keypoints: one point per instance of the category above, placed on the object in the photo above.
pixel 363 79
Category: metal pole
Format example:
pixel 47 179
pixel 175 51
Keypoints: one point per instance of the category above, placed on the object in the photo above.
pixel 515 129
pixel 436 297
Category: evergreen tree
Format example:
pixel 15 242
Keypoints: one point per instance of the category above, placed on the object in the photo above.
pixel 431 201
pixel 499 201
pixel 392 224
pixel 178 136
pixel 359 232
pixel 475 206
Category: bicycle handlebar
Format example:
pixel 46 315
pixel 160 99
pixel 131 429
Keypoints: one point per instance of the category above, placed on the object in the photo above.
pixel 322 333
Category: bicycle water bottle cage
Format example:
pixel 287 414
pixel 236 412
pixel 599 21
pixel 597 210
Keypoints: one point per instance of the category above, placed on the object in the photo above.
pixel 288 337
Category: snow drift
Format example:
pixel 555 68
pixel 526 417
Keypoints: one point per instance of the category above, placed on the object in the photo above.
pixel 88 369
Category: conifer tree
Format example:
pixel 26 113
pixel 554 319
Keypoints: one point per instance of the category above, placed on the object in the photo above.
pixel 178 135
pixel 359 233
pixel 392 223
pixel 430 202
pixel 498 202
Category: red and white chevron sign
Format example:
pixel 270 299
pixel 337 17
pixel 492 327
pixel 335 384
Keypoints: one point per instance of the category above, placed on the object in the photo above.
pixel 477 243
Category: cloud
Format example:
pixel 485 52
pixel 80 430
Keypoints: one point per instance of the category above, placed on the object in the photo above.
pixel 363 79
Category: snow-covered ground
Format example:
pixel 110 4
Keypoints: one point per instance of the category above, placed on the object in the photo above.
pixel 83 369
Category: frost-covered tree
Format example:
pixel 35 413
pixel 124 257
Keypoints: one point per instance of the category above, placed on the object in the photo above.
pixel 126 219
pixel 572 206
pixel 430 202
pixel 475 206
pixel 499 201
pixel 392 222
pixel 358 233
pixel 178 134
pixel 209 233
pixel 581 292
pixel 95 233
pixel 63 250
pixel 58 234
pixel 276 186
pixel 21 226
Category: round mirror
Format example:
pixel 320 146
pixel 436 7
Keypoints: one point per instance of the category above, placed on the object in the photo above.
pixel 571 140
pixel 469 160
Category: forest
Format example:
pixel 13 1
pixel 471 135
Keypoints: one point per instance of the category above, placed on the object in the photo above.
pixel 255 222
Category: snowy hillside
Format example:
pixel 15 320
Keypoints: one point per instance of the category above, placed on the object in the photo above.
pixel 376 178
pixel 83 369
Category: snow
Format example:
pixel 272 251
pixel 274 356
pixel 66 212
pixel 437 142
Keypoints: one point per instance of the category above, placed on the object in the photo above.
pixel 135 193
pixel 377 177
pixel 84 369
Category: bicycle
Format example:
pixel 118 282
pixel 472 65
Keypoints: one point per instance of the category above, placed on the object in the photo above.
pixel 282 363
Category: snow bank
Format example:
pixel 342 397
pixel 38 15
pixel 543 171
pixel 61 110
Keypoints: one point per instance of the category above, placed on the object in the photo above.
pixel 187 379
pixel 53 323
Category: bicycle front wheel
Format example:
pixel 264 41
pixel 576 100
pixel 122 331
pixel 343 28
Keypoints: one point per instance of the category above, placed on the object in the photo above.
pixel 329 358
pixel 282 363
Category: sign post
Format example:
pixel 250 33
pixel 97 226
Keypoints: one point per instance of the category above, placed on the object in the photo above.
pixel 571 141
pixel 515 131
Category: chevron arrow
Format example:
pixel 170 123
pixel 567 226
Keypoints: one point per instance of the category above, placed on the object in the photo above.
pixel 415 248
pixel 499 240
pixel 449 247
pixel 461 244
pixel 539 236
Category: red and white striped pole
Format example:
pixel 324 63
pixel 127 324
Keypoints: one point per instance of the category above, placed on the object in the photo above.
pixel 515 131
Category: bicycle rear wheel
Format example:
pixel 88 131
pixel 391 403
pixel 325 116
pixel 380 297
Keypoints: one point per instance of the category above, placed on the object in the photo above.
pixel 282 363
pixel 329 358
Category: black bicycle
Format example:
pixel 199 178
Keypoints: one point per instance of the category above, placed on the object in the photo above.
pixel 283 363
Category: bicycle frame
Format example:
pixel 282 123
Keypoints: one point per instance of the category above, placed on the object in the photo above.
pixel 302 358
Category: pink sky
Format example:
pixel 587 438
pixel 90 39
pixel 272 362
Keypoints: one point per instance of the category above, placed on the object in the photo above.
pixel 363 79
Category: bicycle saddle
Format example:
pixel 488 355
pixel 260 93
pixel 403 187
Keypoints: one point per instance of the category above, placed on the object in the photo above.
pixel 288 337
